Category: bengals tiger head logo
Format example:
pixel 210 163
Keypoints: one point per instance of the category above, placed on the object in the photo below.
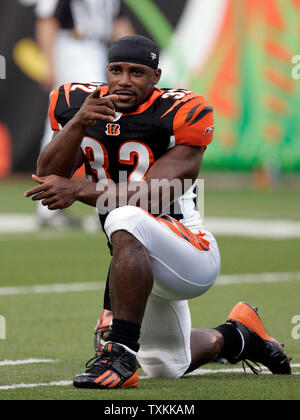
pixel 112 129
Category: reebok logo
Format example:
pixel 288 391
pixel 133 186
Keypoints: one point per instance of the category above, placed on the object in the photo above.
pixel 209 130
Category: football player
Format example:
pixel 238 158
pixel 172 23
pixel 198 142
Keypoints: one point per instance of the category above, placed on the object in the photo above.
pixel 161 254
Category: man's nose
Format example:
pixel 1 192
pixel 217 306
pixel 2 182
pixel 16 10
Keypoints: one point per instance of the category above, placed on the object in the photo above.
pixel 125 79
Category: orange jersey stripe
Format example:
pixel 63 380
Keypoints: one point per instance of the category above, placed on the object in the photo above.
pixel 194 125
pixel 53 101
pixel 67 88
pixel 180 101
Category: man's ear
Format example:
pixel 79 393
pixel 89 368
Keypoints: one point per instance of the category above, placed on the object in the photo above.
pixel 157 76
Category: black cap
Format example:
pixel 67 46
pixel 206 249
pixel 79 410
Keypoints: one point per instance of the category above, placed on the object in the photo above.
pixel 135 49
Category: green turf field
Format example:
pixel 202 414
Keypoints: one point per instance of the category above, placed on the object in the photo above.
pixel 59 326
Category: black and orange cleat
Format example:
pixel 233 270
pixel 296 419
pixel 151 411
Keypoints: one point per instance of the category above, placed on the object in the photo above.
pixel 259 346
pixel 102 330
pixel 115 368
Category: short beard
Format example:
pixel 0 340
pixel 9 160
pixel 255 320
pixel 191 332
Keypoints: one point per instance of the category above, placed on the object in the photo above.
pixel 126 109
pixel 129 109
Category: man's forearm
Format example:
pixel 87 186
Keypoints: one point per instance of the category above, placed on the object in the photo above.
pixel 86 193
pixel 46 31
pixel 59 156
pixel 112 195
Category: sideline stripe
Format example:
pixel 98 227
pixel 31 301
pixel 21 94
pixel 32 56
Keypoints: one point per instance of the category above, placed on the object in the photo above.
pixel 196 372
pixel 25 362
pixel 18 223
pixel 96 286
pixel 257 278
pixel 22 386
pixel 52 288
pixel 253 228
pixel 265 371
pixel 241 227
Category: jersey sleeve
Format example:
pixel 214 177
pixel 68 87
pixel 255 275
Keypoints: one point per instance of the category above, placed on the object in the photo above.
pixel 193 123
pixel 54 96
pixel 66 100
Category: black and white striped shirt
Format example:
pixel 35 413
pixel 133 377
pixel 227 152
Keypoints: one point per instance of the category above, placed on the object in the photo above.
pixel 91 18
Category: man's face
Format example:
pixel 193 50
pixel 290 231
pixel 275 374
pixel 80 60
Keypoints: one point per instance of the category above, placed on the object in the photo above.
pixel 133 83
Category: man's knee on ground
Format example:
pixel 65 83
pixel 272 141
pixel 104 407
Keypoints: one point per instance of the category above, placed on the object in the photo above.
pixel 161 368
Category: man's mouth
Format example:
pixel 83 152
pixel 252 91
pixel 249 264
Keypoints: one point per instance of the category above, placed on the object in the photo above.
pixel 124 95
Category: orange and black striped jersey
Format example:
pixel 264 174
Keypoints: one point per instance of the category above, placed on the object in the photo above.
pixel 134 141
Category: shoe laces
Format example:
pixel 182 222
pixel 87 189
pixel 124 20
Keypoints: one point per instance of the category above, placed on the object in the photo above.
pixel 104 357
pixel 256 370
pixel 90 363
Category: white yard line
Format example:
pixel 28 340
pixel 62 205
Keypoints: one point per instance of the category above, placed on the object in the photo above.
pixel 18 223
pixel 228 279
pixel 223 280
pixel 253 228
pixel 265 371
pixel 51 288
pixel 23 386
pixel 25 362
pixel 196 372
pixel 242 227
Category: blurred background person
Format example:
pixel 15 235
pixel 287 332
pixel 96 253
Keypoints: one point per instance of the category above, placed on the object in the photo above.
pixel 74 36
pixel 250 77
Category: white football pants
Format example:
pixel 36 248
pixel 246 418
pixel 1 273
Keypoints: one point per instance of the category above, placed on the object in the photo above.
pixel 183 269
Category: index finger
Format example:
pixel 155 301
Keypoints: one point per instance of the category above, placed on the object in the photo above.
pixel 35 190
pixel 96 93
pixel 112 98
pixel 107 101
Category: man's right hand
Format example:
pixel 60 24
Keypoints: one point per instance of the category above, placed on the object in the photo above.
pixel 95 108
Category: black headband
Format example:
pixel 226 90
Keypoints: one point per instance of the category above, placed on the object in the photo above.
pixel 135 49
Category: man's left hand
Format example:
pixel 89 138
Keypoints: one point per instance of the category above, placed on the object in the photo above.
pixel 54 191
